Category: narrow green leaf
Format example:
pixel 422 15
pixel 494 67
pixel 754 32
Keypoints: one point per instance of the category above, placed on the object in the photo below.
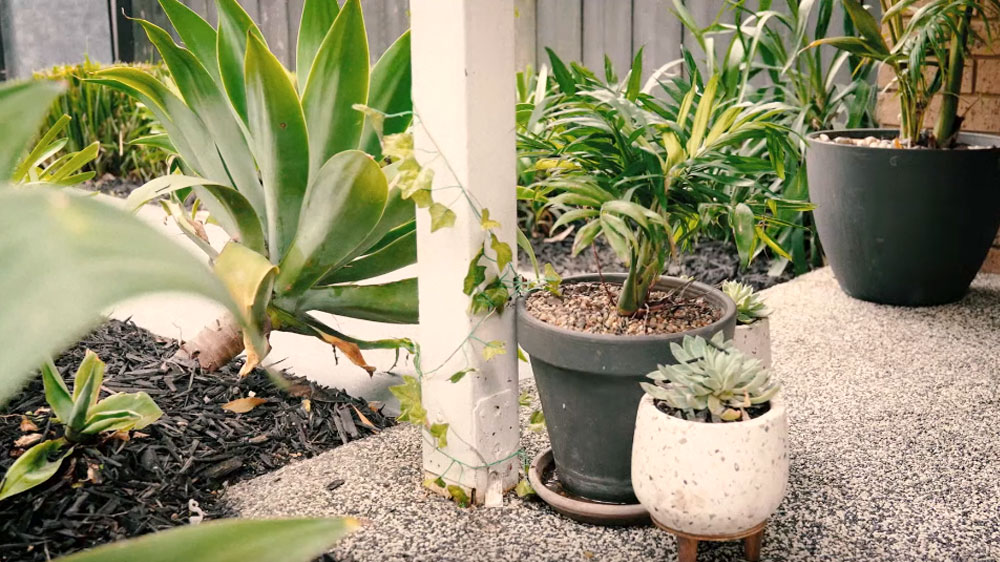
pixel 34 467
pixel 702 115
pixel 337 81
pixel 562 75
pixel 317 19
pixel 57 395
pixel 245 540
pixel 389 92
pixel 394 302
pixel 280 144
pixel 198 35
pixel 867 25
pixel 461 374
pixel 635 77
pixel 231 44
pixel 22 106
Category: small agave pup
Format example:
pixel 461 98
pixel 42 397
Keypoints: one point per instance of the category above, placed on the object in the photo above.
pixel 753 329
pixel 709 458
pixel 84 417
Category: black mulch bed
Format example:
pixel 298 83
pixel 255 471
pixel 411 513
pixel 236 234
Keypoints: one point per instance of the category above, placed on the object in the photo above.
pixel 112 185
pixel 710 262
pixel 192 453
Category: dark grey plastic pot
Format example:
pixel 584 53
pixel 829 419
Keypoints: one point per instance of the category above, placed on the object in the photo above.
pixel 589 388
pixel 905 226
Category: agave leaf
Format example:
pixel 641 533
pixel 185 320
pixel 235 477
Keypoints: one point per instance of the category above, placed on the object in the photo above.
pixel 249 276
pixel 22 106
pixel 389 92
pixel 87 380
pixel 198 35
pixel 317 19
pixel 57 394
pixel 394 302
pixel 93 256
pixel 231 44
pixel 398 254
pixel 236 208
pixel 246 540
pixel 34 467
pixel 142 409
pixel 208 102
pixel 278 129
pixel 343 204
pixel 337 81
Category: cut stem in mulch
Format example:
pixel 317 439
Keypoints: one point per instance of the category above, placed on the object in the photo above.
pixel 175 469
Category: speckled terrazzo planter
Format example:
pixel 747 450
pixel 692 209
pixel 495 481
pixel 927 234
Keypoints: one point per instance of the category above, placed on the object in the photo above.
pixel 710 479
pixel 755 340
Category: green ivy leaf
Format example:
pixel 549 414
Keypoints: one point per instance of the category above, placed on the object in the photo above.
pixel 493 297
pixel 494 348
pixel 476 274
pixel 458 494
pixel 503 251
pixel 524 488
pixel 439 431
pixel 441 217
pixel 398 146
pixel 486 222
pixel 460 375
pixel 536 422
pixel 525 399
pixel 410 401
pixel 521 355
pixel 440 482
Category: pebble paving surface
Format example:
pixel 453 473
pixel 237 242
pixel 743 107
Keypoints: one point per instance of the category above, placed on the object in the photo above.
pixel 894 442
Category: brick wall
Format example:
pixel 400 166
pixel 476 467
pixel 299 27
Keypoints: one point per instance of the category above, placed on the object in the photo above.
pixel 980 106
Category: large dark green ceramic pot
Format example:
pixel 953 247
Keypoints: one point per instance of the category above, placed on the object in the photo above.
pixel 589 388
pixel 905 226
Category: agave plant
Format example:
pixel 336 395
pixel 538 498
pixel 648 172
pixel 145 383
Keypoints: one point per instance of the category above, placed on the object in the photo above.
pixel 712 381
pixel 749 305
pixel 925 45
pixel 288 164
pixel 84 417
pixel 650 175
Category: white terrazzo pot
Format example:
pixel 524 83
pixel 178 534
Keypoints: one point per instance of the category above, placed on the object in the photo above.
pixel 710 479
pixel 755 340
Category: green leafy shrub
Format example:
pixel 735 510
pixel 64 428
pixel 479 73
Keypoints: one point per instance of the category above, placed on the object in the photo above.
pixel 42 166
pixel 288 164
pixel 926 50
pixel 651 175
pixel 712 381
pixel 749 305
pixel 115 120
pixel 83 416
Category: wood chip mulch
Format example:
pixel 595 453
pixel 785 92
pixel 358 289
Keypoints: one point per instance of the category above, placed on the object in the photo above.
pixel 117 489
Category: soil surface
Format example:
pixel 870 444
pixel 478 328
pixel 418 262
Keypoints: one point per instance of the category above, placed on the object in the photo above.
pixel 111 185
pixel 710 262
pixel 590 308
pixel 117 489
pixel 703 415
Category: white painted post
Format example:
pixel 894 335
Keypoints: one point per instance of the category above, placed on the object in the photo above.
pixel 463 100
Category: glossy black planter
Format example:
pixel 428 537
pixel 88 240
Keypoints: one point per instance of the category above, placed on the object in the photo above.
pixel 589 388
pixel 903 226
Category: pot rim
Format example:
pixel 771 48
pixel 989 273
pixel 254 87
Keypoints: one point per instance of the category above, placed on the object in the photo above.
pixel 729 309
pixel 777 409
pixel 880 132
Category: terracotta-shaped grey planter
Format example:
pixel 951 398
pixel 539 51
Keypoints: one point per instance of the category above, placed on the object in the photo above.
pixel 905 226
pixel 754 339
pixel 589 389
pixel 710 479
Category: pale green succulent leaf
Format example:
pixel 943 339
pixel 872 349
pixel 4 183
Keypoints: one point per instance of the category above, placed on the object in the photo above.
pixel 389 93
pixel 57 394
pixel 317 19
pixel 139 405
pixel 34 467
pixel 198 35
pixel 394 302
pixel 398 254
pixel 231 43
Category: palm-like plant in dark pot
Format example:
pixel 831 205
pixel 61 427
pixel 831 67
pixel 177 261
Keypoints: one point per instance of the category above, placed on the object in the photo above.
pixel 647 176
pixel 907 217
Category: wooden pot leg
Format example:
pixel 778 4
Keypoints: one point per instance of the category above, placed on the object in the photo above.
pixel 751 546
pixel 687 549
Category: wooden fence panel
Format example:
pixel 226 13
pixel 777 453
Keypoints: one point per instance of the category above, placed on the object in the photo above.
pixel 273 23
pixel 560 28
pixel 607 30
pixel 386 21
pixel 525 24
pixel 294 19
pixel 657 31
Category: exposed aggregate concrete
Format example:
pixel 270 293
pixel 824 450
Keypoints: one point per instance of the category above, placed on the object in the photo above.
pixel 894 442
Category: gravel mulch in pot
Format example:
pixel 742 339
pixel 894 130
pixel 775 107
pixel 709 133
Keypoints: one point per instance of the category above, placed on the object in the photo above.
pixel 117 489
pixel 591 307
pixel 710 262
